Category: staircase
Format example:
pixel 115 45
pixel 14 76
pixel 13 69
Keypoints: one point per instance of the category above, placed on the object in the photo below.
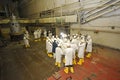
pixel 108 6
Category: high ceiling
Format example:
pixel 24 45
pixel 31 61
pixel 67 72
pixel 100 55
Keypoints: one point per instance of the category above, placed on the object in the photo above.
pixel 2 2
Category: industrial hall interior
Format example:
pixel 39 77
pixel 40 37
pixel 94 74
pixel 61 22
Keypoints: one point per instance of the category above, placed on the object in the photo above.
pixel 59 39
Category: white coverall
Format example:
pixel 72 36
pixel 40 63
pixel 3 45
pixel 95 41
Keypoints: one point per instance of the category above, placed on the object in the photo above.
pixel 39 33
pixel 53 38
pixel 35 34
pixel 74 46
pixel 82 38
pixel 26 40
pixel 74 41
pixel 81 49
pixel 49 46
pixel 64 40
pixel 26 34
pixel 50 34
pixel 59 54
pixel 63 46
pixel 69 55
pixel 58 40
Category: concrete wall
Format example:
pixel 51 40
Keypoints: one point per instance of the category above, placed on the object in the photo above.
pixel 104 30
pixel 100 29
pixel 32 8
pixel 105 38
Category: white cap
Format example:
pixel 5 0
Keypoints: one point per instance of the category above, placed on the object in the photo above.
pixel 88 37
pixel 55 39
pixel 74 37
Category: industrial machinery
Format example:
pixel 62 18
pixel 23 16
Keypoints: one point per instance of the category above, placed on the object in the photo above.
pixel 16 33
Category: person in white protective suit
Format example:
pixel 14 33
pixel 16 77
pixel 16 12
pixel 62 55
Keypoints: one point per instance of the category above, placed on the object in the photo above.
pixel 81 50
pixel 74 40
pixel 35 36
pixel 78 39
pixel 58 39
pixel 82 37
pixel 26 39
pixel 49 47
pixel 65 40
pixel 58 56
pixel 47 43
pixel 38 34
pixel 69 56
pixel 75 48
pixel 26 34
pixel 89 46
pixel 49 34
pixel 53 38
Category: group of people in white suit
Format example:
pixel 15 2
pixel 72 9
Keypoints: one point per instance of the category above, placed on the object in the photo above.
pixel 65 48
pixel 69 48
pixel 37 36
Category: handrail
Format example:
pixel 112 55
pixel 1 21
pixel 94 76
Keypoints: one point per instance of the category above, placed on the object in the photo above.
pixel 104 7
pixel 98 7
pixel 100 14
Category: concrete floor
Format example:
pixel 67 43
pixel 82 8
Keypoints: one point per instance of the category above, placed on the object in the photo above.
pixel 103 65
pixel 18 63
